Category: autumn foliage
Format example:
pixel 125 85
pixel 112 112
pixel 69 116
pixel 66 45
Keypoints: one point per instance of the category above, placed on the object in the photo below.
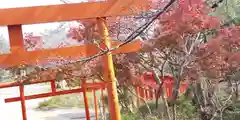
pixel 32 42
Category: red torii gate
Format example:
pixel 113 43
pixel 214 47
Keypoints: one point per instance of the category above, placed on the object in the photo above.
pixel 14 18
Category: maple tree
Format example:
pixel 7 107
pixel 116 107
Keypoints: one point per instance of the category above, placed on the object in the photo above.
pixel 32 42
pixel 194 54
pixel 182 40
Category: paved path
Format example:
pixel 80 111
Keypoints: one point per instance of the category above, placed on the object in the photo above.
pixel 12 111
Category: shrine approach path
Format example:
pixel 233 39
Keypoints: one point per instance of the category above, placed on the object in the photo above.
pixel 12 111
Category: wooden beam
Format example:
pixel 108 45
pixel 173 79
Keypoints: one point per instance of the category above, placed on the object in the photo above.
pixel 68 12
pixel 18 57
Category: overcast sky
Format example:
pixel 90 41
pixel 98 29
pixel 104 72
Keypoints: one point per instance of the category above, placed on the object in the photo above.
pixel 24 3
pixel 37 28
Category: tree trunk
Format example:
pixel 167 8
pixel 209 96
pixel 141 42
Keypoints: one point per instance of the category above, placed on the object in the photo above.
pixel 166 107
pixel 161 92
pixel 204 115
pixel 174 110
pixel 203 105
pixel 236 90
pixel 175 96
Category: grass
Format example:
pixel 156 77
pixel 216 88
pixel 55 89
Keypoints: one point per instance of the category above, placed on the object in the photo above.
pixel 7 80
pixel 67 101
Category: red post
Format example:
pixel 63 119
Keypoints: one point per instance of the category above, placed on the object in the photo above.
pixel 138 94
pixel 155 93
pixel 53 86
pixel 170 90
pixel 183 87
pixel 95 103
pixel 103 104
pixel 23 105
pixel 151 93
pixel 168 87
pixel 142 92
pixel 85 99
pixel 146 94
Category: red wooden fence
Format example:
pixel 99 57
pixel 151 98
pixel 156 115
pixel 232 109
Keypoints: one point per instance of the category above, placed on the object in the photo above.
pixel 85 87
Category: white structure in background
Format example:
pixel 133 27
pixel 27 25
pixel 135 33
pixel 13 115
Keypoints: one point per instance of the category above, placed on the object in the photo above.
pixel 4 45
pixel 5 75
pixel 23 72
pixel 63 84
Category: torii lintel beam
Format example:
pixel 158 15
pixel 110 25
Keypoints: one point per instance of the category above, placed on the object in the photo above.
pixel 68 12
pixel 17 56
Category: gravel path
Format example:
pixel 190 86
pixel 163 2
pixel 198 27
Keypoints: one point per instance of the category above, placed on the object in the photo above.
pixel 12 111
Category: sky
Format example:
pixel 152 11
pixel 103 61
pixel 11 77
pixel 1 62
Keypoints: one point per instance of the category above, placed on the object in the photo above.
pixel 37 28
pixel 24 3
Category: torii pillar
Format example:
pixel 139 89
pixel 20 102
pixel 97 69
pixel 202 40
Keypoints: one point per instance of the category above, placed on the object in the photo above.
pixel 109 74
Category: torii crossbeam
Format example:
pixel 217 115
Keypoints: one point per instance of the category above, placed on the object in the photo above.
pixel 14 18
